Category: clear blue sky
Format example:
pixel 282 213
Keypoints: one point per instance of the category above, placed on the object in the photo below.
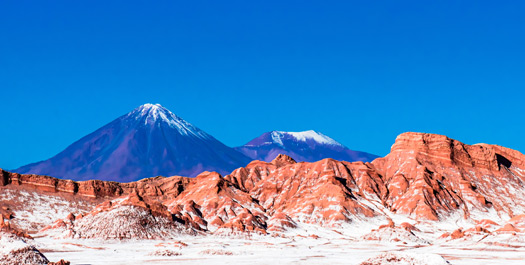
pixel 361 72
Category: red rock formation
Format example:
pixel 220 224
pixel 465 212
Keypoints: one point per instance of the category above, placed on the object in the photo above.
pixel 61 262
pixel 283 160
pixel 404 233
pixel 429 176
pixel 160 187
pixel 409 227
pixel 458 233
pixel 425 177
pixel 6 227
pixel 487 224
pixel 128 217
pixel 215 203
pixel 83 195
pixel 6 212
pixel 508 228
pixel 320 192
pixel 518 221
pixel 91 188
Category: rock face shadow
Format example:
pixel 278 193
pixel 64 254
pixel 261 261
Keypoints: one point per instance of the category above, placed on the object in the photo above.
pixel 503 161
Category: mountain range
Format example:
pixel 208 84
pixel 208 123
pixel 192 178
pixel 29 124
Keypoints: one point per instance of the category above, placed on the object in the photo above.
pixel 151 141
pixel 430 194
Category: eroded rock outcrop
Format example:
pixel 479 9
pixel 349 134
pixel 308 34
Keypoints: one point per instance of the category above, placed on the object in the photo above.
pixel 324 192
pixel 129 217
pixel 429 176
pixel 162 187
pixel 15 250
pixel 217 205
pixel 404 233
pixel 60 262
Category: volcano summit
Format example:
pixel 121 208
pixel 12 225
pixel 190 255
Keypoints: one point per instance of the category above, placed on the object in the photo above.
pixel 149 141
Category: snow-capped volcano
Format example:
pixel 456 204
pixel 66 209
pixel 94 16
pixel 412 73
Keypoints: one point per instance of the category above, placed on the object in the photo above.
pixel 308 146
pixel 147 142
pixel 153 113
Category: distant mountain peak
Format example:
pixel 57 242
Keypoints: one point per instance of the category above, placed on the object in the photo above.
pixel 281 137
pixel 146 142
pixel 308 146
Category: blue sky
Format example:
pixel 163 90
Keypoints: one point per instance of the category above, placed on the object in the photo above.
pixel 361 72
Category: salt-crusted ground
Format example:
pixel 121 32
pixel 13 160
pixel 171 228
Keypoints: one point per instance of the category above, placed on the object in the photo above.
pixel 216 250
pixel 308 245
pixel 359 242
pixel 34 210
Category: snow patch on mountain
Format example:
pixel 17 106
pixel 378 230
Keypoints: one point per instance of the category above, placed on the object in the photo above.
pixel 276 137
pixel 309 135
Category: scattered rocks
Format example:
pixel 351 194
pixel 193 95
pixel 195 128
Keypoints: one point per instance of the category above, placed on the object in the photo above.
pixel 405 258
pixel 216 252
pixel 165 253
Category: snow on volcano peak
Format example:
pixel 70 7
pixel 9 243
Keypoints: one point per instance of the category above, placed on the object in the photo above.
pixel 311 135
pixel 153 113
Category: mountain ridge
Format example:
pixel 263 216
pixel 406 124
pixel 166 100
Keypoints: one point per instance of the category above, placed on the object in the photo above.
pixel 151 141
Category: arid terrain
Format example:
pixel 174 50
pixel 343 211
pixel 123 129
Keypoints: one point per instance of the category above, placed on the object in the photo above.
pixel 432 200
